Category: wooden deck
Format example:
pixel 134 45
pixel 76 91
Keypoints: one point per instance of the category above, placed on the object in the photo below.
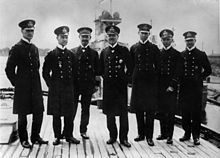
pixel 96 146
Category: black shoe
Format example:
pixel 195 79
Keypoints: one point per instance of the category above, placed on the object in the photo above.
pixel 161 137
pixel 150 142
pixel 196 141
pixel 111 141
pixel 84 136
pixel 56 141
pixel 125 143
pixel 169 140
pixel 39 141
pixel 139 138
pixel 184 138
pixel 72 140
pixel 26 144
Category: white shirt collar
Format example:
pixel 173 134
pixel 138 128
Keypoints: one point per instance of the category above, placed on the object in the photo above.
pixel 113 45
pixel 61 47
pixel 167 47
pixel 84 46
pixel 24 39
pixel 143 42
pixel 189 49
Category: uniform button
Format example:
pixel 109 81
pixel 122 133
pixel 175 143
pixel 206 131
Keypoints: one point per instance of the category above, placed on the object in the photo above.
pixel 68 57
pixel 116 75
pixel 168 73
pixel 61 72
pixel 185 74
pixel 116 57
pixel 109 76
pixel 61 76
pixel 113 51
pixel 77 78
pixel 31 64
pixel 109 67
pixel 69 76
pixel 189 53
pixel 192 74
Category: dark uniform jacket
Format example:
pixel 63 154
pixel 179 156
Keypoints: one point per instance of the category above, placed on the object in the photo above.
pixel 145 76
pixel 87 64
pixel 22 70
pixel 170 72
pixel 116 69
pixel 58 73
pixel 195 69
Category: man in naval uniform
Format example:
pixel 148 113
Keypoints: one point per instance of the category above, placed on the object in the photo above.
pixel 196 69
pixel 145 56
pixel 22 70
pixel 116 69
pixel 170 71
pixel 58 73
pixel 87 61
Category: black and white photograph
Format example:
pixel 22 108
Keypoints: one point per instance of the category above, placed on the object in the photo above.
pixel 109 78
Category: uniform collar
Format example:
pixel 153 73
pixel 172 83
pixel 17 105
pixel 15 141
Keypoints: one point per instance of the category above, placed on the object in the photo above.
pixel 167 47
pixel 113 45
pixel 61 47
pixel 24 39
pixel 143 42
pixel 190 49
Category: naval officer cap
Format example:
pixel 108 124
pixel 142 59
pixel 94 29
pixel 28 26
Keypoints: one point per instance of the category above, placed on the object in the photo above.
pixel 189 35
pixel 144 27
pixel 29 24
pixel 112 29
pixel 64 30
pixel 166 33
pixel 84 30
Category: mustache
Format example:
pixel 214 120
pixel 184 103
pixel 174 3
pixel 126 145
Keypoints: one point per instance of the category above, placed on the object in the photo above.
pixel 85 40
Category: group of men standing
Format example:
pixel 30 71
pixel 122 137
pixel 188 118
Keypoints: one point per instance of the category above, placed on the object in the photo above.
pixel 153 74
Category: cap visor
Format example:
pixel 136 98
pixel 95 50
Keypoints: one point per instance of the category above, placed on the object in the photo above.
pixel 142 31
pixel 190 38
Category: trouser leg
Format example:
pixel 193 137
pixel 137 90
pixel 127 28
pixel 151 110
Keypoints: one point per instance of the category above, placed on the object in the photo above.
pixel 112 128
pixel 150 124
pixel 123 131
pixel 57 126
pixel 22 127
pixel 140 123
pixel 36 126
pixel 85 113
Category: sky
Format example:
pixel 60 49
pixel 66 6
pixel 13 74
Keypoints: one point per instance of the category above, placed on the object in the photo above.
pixel 201 16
